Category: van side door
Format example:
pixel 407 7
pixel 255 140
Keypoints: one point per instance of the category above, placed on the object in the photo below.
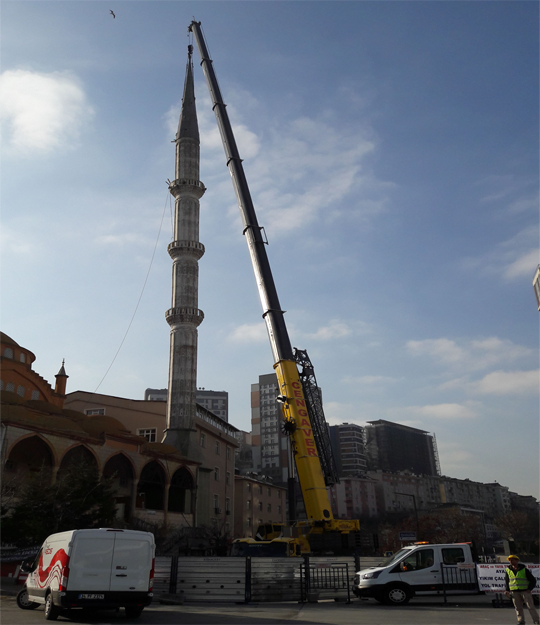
pixel 421 570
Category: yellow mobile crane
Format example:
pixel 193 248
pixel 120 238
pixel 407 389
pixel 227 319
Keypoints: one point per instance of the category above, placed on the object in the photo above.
pixel 299 396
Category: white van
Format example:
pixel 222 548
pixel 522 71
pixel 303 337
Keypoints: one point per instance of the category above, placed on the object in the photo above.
pixel 419 569
pixel 96 568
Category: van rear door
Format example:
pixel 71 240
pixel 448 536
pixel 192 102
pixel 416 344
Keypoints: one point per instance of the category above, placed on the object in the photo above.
pixel 132 562
pixel 91 561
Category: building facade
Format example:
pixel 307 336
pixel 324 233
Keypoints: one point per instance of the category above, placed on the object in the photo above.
pixel 394 447
pixel 214 401
pixel 216 442
pixel 257 501
pixel 347 441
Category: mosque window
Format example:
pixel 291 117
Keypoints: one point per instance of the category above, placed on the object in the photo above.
pixel 8 352
pixel 1 385
pixel 35 394
pixel 94 411
pixel 10 387
pixel 22 358
pixel 20 390
pixel 149 434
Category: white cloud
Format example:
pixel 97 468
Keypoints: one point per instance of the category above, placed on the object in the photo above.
pixel 469 355
pixel 249 333
pixel 444 411
pixel 299 170
pixel 369 380
pixel 42 112
pixel 443 350
pixel 508 383
pixel 513 259
pixel 524 265
pixel 336 412
pixel 334 330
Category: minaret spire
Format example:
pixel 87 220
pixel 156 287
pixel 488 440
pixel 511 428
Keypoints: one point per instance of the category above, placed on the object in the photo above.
pixel 184 315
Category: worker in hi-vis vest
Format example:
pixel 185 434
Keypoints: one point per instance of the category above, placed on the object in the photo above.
pixel 519 584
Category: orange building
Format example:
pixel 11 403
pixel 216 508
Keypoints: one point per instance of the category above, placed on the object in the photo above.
pixel 153 482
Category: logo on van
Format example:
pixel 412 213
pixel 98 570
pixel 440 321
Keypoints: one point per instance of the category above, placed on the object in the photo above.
pixel 48 552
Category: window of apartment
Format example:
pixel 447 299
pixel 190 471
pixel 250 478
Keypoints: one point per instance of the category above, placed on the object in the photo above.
pixel 218 448
pixel 228 477
pixel 228 453
pixel 227 505
pixel 260 506
pixel 94 411
pixel 148 433
pixel 268 491
pixel 279 509
pixel 216 501
pixel 260 490
pixel 249 487
pixel 202 440
pixel 268 507
pixel 248 504
pixel 248 522
pixel 216 474
pixel 279 494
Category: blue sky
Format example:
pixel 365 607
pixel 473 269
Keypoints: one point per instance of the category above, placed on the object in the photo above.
pixel 392 154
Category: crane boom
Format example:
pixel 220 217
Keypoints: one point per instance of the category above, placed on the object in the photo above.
pixel 294 407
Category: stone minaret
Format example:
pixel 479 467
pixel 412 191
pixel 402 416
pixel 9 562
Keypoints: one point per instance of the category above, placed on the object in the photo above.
pixel 184 315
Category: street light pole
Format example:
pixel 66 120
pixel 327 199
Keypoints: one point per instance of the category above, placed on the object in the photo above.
pixel 415 511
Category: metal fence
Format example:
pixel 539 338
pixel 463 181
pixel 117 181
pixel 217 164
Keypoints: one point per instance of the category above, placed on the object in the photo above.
pixel 458 578
pixel 236 580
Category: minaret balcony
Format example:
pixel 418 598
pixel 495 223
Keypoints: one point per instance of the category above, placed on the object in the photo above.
pixel 187 248
pixel 176 316
pixel 187 186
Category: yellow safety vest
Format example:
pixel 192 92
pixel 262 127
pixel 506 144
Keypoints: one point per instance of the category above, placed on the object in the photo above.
pixel 517 580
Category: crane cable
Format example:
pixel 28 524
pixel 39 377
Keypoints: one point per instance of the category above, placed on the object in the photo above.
pixel 140 296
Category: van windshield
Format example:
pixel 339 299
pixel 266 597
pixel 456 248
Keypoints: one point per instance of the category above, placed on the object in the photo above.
pixel 397 556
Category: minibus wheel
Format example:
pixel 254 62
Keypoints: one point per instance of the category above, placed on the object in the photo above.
pixel 51 611
pixel 24 602
pixel 397 595
pixel 133 611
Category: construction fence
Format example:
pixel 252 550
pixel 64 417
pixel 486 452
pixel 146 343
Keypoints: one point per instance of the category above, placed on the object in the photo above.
pixel 244 580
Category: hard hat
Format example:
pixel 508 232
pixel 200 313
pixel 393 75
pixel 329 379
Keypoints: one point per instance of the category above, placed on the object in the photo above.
pixel 512 558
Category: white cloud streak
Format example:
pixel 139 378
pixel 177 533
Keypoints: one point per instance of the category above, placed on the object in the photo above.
pixel 249 333
pixel 507 383
pixel 444 411
pixel 42 112
pixel 469 355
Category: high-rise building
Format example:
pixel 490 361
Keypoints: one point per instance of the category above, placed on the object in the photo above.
pixel 394 447
pixel 348 447
pixel 215 401
pixel 270 444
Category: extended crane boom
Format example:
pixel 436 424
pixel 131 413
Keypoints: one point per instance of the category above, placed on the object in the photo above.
pixel 295 411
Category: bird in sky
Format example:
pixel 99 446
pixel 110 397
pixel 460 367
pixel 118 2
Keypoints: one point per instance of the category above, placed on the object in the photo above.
pixel 112 13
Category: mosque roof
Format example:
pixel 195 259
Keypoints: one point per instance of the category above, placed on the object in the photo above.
pixel 4 338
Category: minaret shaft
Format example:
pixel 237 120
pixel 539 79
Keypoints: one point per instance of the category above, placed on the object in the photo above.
pixel 184 315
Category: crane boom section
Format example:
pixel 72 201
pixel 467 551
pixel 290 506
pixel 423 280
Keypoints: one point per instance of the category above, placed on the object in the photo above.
pixel 295 414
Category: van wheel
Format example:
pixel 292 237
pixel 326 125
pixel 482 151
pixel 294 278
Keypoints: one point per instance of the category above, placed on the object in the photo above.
pixel 133 611
pixel 51 611
pixel 396 595
pixel 24 602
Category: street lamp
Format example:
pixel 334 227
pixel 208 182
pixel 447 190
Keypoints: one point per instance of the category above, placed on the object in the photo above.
pixel 415 511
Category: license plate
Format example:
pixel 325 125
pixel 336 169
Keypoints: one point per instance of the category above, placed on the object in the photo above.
pixel 91 596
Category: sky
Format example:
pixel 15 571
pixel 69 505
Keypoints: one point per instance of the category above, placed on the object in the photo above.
pixel 391 150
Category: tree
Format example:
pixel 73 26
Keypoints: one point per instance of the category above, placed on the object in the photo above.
pixel 78 499
pixel 521 527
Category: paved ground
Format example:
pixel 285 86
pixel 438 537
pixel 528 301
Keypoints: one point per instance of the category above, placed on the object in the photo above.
pixel 465 611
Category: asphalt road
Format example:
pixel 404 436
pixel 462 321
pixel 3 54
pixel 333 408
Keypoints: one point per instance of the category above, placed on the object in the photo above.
pixel 462 611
